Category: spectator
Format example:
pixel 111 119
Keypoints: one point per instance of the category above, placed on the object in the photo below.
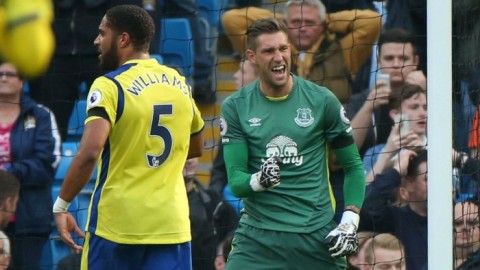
pixel 409 221
pixel 466 60
pixel 368 109
pixel 236 21
pixel 202 204
pixel 245 74
pixel 330 49
pixel 140 173
pixel 8 205
pixel 75 59
pixel 293 218
pixel 384 251
pixel 224 249
pixel 5 256
pixel 397 56
pixel 409 112
pixel 467 236
pixel 466 165
pixel 410 15
pixel 30 150
pixel 356 261
pixel 474 138
pixel 8 197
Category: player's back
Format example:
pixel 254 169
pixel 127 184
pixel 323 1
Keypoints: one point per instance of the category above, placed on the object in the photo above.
pixel 140 195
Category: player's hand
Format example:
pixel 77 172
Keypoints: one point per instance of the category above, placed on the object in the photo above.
pixel 343 239
pixel 268 176
pixel 66 223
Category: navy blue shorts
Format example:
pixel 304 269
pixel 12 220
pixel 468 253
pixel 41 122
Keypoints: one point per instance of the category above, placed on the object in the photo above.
pixel 99 253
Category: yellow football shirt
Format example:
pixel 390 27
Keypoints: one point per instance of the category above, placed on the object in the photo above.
pixel 139 195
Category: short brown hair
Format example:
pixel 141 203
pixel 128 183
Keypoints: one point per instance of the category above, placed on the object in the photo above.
pixel 405 92
pixel 263 26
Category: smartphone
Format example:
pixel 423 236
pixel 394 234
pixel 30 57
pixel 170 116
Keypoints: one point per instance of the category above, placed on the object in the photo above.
pixel 383 77
pixel 404 122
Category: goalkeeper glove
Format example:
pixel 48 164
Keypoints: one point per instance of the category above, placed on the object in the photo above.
pixel 268 176
pixel 343 239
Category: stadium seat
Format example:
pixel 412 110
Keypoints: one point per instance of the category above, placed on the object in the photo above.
pixel 209 12
pixel 53 251
pixel 158 57
pixel 69 149
pixel 76 122
pixel 176 45
pixel 83 90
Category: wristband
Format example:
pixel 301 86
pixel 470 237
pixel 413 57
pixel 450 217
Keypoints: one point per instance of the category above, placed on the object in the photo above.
pixel 255 182
pixel 350 217
pixel 60 206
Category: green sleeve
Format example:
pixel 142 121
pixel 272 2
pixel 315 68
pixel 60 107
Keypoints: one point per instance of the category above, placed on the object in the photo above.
pixel 354 184
pixel 236 159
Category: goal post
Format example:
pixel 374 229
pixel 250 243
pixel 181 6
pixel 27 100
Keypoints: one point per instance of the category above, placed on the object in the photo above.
pixel 439 81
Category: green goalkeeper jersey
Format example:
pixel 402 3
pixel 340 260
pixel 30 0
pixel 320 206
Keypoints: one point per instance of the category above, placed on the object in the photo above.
pixel 297 128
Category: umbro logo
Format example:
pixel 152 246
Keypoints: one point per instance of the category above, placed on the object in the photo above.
pixel 255 122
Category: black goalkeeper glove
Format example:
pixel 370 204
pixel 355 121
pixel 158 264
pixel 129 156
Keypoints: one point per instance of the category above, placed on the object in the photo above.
pixel 268 176
pixel 343 239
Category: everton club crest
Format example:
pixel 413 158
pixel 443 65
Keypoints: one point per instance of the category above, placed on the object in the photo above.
pixel 304 117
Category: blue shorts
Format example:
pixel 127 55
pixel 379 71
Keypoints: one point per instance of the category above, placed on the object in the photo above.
pixel 100 253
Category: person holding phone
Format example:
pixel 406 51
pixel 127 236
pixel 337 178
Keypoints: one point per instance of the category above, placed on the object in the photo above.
pixel 408 110
pixel 369 110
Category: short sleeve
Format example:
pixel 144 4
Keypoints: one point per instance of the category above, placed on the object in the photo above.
pixel 230 128
pixel 103 94
pixel 337 123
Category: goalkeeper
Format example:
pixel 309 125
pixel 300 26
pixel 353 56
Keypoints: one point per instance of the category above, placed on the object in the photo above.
pixel 276 133
pixel 26 36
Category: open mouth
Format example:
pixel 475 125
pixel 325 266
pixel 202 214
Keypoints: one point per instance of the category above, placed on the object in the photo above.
pixel 279 70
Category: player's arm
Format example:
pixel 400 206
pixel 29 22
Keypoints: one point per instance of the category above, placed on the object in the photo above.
pixel 197 141
pixel 93 139
pixel 343 239
pixel 80 171
pixel 354 184
pixel 242 183
pixel 196 145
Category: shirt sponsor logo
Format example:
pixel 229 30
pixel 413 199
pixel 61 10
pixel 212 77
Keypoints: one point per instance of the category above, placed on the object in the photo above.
pixel 285 148
pixel 304 117
pixel 255 122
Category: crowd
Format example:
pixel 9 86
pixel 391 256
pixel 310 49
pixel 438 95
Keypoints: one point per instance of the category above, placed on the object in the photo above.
pixel 322 161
